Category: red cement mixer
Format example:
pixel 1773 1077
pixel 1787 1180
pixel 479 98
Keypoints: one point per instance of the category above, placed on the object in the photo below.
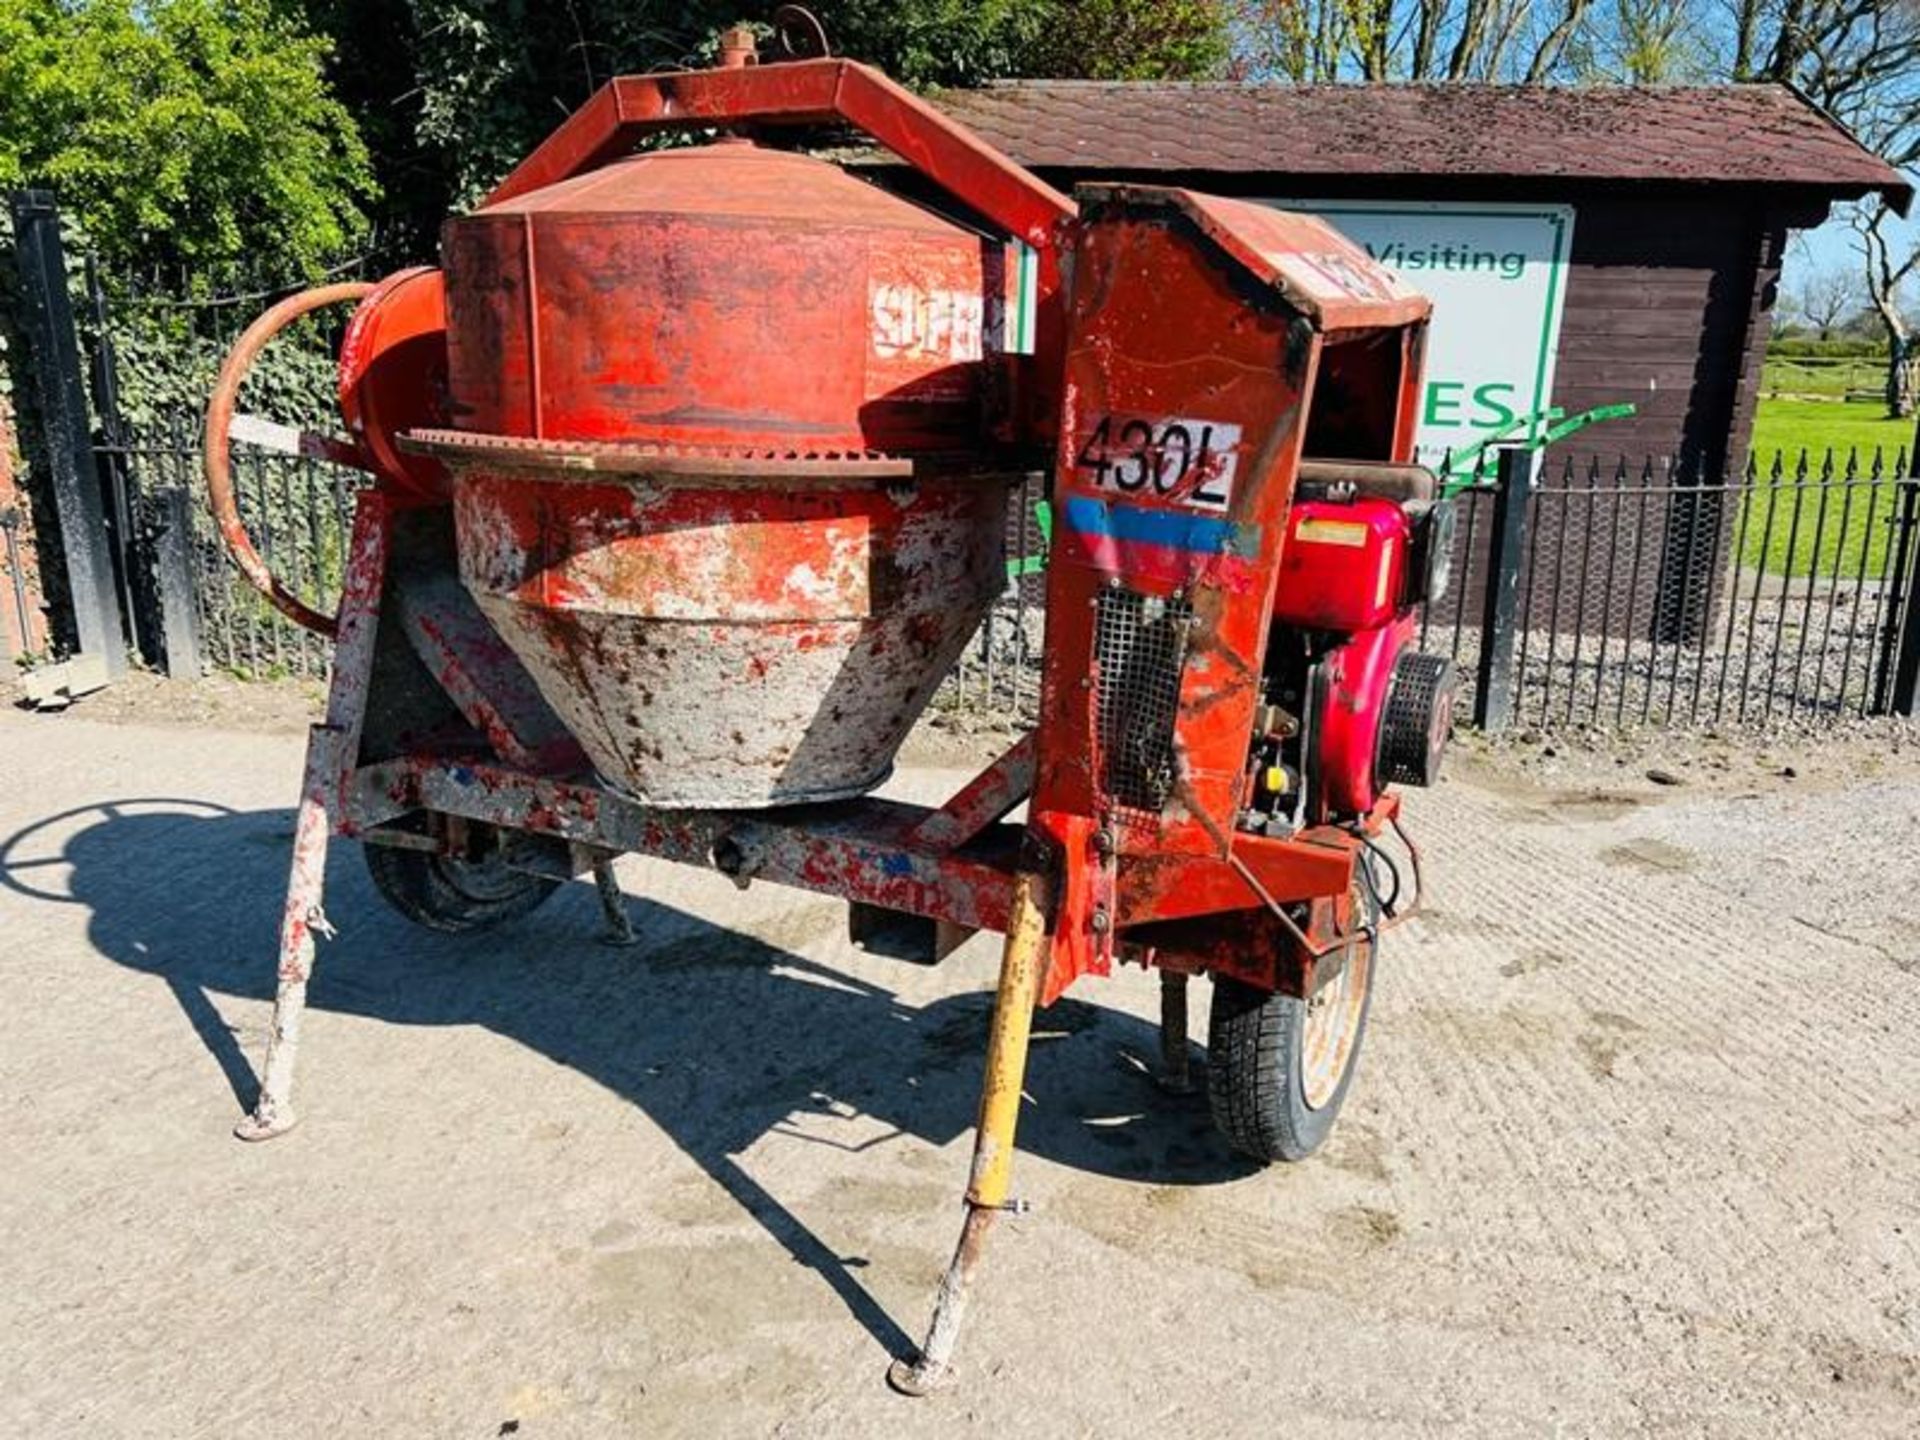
pixel 691 475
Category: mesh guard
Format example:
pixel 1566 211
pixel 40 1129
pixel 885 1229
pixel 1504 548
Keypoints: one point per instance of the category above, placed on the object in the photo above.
pixel 1417 720
pixel 1140 649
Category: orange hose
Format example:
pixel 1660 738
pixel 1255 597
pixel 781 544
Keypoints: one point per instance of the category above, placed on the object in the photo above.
pixel 218 461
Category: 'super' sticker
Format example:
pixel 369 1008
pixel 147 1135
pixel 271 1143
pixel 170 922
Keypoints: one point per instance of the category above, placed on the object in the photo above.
pixel 1189 461
pixel 920 324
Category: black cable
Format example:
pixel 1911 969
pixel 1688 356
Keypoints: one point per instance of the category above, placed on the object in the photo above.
pixel 1372 851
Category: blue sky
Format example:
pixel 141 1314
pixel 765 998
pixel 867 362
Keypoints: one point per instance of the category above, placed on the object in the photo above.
pixel 1834 243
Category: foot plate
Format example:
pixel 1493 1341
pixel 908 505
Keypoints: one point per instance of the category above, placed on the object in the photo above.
pixel 917 1377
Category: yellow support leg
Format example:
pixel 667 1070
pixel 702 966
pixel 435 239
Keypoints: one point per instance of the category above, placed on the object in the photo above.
pixel 1020 968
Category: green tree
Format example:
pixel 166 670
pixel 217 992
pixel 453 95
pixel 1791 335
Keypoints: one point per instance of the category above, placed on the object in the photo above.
pixel 451 93
pixel 1128 40
pixel 195 132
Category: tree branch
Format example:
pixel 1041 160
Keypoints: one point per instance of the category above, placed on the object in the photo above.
pixel 1549 51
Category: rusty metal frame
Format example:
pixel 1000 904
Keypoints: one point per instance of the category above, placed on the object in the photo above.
pixel 859 850
pixel 941 864
pixel 900 857
pixel 801 92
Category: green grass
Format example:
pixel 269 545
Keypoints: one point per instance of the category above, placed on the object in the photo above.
pixel 1813 547
pixel 1819 425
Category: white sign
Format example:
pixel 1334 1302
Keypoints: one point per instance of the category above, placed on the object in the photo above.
pixel 1497 276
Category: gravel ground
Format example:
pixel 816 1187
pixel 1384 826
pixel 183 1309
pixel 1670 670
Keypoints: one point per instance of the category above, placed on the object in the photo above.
pixel 1634 1150
pixel 1777 675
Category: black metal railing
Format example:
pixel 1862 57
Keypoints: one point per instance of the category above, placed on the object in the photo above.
pixel 996 684
pixel 1651 598
pixel 299 513
pixel 1644 597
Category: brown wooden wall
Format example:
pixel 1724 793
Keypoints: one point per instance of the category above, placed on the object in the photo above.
pixel 1668 303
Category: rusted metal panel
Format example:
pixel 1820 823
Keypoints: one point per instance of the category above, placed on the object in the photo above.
pixel 1195 342
pixel 1170 887
pixel 1316 270
pixel 1176 465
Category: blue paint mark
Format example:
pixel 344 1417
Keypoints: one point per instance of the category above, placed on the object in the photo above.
pixel 894 863
pixel 461 775
pixel 1175 529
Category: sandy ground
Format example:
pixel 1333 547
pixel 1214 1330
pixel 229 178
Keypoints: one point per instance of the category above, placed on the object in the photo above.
pixel 1635 1149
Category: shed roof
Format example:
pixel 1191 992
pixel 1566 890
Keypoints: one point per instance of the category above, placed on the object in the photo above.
pixel 1731 134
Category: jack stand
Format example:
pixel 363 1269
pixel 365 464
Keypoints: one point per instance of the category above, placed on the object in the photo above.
pixel 1176 1070
pixel 1007 1044
pixel 613 906
pixel 273 1113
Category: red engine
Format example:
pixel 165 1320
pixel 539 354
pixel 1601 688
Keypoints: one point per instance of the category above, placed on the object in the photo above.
pixel 1354 705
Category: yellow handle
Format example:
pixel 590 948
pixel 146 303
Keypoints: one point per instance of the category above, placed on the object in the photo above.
pixel 1020 968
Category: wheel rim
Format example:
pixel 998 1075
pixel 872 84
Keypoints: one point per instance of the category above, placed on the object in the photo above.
pixel 488 881
pixel 1332 1027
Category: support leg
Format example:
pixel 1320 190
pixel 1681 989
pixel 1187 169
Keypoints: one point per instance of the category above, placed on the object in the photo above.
pixel 1020 969
pixel 613 905
pixel 1176 1072
pixel 273 1112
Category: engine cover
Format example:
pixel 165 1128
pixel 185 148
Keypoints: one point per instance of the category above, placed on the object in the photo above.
pixel 1350 689
pixel 1382 714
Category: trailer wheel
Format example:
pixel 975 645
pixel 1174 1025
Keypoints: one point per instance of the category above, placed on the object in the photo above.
pixel 1278 1067
pixel 455 897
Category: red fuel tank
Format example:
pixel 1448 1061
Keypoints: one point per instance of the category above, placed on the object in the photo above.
pixel 723 295
pixel 1344 565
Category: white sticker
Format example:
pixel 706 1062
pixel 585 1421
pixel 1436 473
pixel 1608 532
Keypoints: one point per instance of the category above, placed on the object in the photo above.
pixel 267 434
pixel 916 324
pixel 1191 462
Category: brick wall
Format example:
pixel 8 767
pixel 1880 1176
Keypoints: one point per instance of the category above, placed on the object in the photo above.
pixel 22 632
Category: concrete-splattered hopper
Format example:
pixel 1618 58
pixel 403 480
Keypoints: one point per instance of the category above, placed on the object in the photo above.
pixel 716 476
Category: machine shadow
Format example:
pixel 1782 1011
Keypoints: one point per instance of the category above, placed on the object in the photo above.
pixel 721 1038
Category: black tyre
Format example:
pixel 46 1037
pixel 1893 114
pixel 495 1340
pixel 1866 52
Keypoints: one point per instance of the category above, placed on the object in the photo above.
pixel 452 896
pixel 1278 1068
